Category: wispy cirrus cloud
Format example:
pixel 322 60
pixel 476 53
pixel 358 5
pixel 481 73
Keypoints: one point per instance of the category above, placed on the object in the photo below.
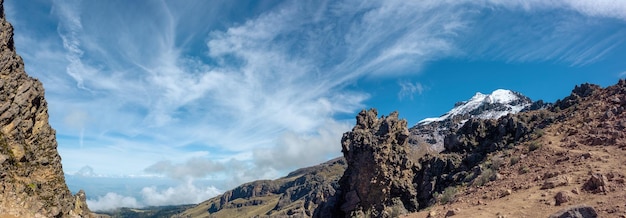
pixel 544 31
pixel 408 89
pixel 601 8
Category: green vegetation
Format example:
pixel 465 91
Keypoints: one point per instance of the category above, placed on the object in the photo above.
pixel 447 196
pixel 510 146
pixel 485 177
pixel 524 170
pixel 490 171
pixel 495 163
pixel 534 146
pixel 514 160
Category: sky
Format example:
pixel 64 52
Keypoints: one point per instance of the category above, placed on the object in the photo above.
pixel 187 99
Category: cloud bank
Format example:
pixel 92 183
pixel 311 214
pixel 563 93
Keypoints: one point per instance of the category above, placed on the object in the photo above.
pixel 112 201
pixel 184 193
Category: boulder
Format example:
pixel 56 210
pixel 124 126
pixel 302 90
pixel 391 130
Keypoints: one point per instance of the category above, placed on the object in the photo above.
pixel 562 197
pixel 578 211
pixel 595 184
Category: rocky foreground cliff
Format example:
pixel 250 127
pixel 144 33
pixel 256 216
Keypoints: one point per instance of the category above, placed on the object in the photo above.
pixel 31 177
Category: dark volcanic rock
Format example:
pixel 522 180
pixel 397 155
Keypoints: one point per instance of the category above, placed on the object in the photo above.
pixel 31 178
pixel 379 179
pixel 596 183
pixel 562 197
pixel 579 211
pixel 578 94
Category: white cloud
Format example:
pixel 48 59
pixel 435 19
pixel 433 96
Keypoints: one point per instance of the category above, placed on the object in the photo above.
pixel 112 201
pixel 600 8
pixel 603 8
pixel 192 168
pixel 544 31
pixel 408 89
pixel 68 30
pixel 294 149
pixel 185 193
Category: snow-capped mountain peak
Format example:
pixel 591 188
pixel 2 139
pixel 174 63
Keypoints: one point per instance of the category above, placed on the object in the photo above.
pixel 492 106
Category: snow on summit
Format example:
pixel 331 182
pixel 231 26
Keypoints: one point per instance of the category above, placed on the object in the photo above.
pixel 501 96
pixel 503 102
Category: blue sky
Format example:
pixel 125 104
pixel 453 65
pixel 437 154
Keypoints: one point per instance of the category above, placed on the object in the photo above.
pixel 210 94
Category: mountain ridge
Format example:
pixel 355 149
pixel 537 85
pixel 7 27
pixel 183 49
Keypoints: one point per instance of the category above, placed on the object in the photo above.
pixel 507 101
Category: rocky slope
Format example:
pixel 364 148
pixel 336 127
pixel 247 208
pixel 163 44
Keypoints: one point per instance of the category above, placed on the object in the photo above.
pixel 31 177
pixel 569 158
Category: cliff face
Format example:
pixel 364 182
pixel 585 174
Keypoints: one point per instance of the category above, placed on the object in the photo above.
pixel 31 177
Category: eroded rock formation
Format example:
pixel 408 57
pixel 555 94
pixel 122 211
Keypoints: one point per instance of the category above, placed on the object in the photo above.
pixel 379 179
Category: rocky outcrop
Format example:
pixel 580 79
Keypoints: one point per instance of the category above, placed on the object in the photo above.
pixel 604 125
pixel 379 179
pixel 31 177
